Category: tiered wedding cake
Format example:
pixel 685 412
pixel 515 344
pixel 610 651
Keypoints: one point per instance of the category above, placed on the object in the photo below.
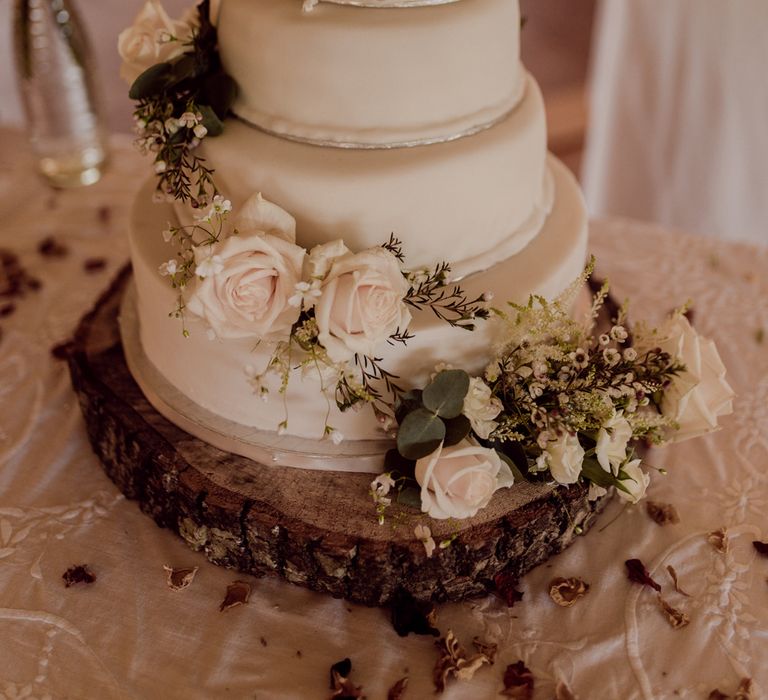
pixel 417 120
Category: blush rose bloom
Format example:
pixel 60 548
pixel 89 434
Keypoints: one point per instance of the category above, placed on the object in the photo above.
pixel 361 303
pixel 564 457
pixel 636 483
pixel 698 396
pixel 458 481
pixel 140 45
pixel 612 439
pixel 248 279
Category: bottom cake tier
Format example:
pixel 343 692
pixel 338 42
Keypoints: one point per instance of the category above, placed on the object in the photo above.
pixel 313 528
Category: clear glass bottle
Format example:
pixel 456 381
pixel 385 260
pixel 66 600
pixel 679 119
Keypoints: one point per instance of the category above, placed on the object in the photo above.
pixel 55 75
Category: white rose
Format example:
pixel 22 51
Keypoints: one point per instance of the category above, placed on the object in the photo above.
pixel 458 481
pixel 636 483
pixel 361 303
pixel 245 295
pixel 564 459
pixel 481 408
pixel 141 45
pixel 700 394
pixel 612 439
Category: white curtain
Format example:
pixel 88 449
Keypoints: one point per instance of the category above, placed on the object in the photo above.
pixel 679 115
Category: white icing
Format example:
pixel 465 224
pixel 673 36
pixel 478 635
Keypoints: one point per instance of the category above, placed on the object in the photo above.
pixel 356 75
pixel 212 372
pixel 459 200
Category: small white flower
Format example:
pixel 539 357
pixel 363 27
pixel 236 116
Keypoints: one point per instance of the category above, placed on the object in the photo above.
pixel 536 389
pixel 335 436
pixel 220 205
pixel 163 36
pixel 488 296
pixel 619 334
pixel 305 292
pixel 171 125
pixel 161 166
pixel 579 357
pixel 630 354
pixel 168 268
pixel 542 461
pixel 636 482
pixel 612 440
pixel 604 339
pixel 208 266
pixel 200 131
pixel 188 119
pixel 481 408
pixel 611 357
pixel 282 429
pixel 424 535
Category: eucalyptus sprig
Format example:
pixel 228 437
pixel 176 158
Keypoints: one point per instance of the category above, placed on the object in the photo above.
pixel 178 103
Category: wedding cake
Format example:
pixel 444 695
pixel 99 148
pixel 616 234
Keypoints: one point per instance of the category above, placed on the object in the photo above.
pixel 356 255
pixel 416 120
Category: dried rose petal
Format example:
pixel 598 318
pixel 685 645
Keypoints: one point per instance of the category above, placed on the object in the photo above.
pixel 761 547
pixel 80 573
pixel 566 591
pixel 396 692
pixel 7 309
pixel 62 350
pixel 744 691
pixel 673 576
pixel 506 587
pixel 486 648
pixel 563 692
pixel 637 573
pixel 719 540
pixel 340 683
pixel 179 579
pixel 50 248
pixel 238 593
pixel 717 695
pixel 94 264
pixel 453 662
pixel 411 615
pixel 518 682
pixel 676 618
pixel 662 513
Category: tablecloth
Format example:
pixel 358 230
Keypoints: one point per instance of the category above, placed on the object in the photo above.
pixel 128 635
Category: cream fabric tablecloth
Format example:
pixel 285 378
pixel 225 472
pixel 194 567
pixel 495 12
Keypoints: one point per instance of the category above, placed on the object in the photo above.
pixel 128 636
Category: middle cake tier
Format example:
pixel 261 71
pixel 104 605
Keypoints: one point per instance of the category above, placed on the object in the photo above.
pixel 473 201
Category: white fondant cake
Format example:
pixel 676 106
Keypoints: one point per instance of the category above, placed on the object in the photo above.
pixel 508 218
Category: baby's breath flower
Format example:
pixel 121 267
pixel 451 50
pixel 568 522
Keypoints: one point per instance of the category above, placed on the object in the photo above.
pixel 168 268
pixel 305 292
pixel 209 266
pixel 282 429
pixel 335 436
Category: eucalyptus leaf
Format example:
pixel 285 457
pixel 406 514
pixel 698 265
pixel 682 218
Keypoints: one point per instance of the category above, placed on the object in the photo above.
pixel 211 121
pixel 420 434
pixel 184 67
pixel 408 402
pixel 219 91
pixel 152 81
pixel 444 395
pixel 410 496
pixel 456 429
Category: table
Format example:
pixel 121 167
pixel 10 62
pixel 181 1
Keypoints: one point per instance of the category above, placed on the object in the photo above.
pixel 128 635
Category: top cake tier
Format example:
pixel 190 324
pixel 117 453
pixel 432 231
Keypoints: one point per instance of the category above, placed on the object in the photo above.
pixel 372 77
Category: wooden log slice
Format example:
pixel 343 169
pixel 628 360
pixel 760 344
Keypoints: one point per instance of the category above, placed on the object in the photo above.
pixel 313 528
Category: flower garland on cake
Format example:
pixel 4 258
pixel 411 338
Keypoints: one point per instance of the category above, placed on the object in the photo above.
pixel 558 402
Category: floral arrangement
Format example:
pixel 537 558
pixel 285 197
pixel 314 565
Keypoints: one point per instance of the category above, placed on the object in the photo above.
pixel 325 310
pixel 182 95
pixel 557 403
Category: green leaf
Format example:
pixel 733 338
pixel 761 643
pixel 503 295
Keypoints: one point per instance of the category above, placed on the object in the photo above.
pixel 211 121
pixel 592 470
pixel 219 91
pixel 410 496
pixel 152 81
pixel 444 395
pixel 184 67
pixel 408 402
pixel 456 429
pixel 420 434
pixel 395 462
pixel 519 476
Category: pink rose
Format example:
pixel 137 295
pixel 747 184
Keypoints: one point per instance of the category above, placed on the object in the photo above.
pixel 244 285
pixel 361 303
pixel 458 481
